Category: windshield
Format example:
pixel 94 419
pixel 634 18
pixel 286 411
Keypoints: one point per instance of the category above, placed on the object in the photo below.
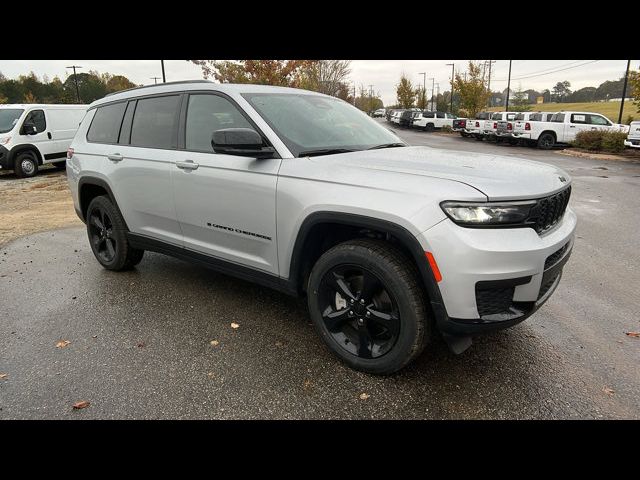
pixel 8 118
pixel 307 122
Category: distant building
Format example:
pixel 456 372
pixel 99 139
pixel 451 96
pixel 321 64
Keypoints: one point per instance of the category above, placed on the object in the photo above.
pixel 627 99
pixel 540 99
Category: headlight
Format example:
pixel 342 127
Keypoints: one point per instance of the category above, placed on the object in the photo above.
pixel 480 214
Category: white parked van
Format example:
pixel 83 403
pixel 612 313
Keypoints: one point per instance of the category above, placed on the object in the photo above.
pixel 32 135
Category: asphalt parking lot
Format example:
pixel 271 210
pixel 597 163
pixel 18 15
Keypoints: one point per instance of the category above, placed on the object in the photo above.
pixel 157 342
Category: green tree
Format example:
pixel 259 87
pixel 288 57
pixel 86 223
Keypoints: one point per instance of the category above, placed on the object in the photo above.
pixel 3 99
pixel 90 85
pixel 283 73
pixel 561 91
pixel 520 101
pixel 472 90
pixel 634 85
pixel 405 92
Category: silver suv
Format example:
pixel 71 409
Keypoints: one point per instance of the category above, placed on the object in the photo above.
pixel 304 193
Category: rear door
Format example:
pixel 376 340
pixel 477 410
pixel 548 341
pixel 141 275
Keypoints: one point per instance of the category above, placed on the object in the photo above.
pixel 138 142
pixel 226 204
pixel 63 125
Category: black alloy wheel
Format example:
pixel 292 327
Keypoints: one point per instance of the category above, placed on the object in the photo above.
pixel 101 235
pixel 359 313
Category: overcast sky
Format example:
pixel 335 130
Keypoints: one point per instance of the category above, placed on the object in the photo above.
pixel 382 74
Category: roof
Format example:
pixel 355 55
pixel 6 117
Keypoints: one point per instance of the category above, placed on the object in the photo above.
pixel 228 88
pixel 41 105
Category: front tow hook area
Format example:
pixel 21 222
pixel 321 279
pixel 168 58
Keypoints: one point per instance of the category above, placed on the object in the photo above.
pixel 457 344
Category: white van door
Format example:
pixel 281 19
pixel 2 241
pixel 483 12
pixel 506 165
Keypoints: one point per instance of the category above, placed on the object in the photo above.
pixel 42 139
pixel 63 125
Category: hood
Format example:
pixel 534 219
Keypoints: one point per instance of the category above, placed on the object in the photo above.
pixel 497 177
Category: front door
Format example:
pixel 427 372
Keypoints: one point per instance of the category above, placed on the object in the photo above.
pixel 226 204
pixel 43 139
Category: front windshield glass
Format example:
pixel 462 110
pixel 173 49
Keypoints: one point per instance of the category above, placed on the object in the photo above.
pixel 306 122
pixel 8 118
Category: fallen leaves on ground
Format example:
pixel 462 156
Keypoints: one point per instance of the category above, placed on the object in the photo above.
pixel 234 325
pixel 306 384
pixel 62 343
pixel 633 334
pixel 278 344
pixel 215 343
pixel 364 396
pixel 81 405
pixel 3 376
pixel 141 345
pixel 608 391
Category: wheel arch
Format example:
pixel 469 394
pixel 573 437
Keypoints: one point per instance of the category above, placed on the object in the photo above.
pixel 305 244
pixel 28 147
pixel 553 134
pixel 91 187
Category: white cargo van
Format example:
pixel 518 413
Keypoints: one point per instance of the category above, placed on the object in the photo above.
pixel 32 135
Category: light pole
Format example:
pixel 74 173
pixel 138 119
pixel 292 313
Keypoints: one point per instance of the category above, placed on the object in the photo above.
pixel 624 91
pixel 164 79
pixel 437 94
pixel 506 107
pixel 155 79
pixel 433 86
pixel 424 88
pixel 75 79
pixel 370 97
pixel 453 67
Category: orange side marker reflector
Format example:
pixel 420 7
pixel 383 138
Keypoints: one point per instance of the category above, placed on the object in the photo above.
pixel 434 266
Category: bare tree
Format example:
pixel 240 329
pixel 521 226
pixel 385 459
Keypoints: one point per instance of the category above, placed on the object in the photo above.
pixel 326 76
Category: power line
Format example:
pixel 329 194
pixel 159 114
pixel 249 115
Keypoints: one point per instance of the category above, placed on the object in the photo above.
pixel 548 73
pixel 552 68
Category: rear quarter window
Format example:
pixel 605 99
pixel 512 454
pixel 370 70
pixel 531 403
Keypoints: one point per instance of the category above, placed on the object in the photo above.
pixel 105 125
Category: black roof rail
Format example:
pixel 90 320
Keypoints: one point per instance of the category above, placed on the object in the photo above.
pixel 159 85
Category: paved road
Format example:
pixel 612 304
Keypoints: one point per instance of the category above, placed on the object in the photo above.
pixel 140 341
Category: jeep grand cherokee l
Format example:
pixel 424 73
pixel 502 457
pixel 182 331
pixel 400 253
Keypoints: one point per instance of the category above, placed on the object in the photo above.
pixel 304 193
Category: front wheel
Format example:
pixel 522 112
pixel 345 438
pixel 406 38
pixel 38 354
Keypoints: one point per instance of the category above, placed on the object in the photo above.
pixel 26 165
pixel 107 235
pixel 366 303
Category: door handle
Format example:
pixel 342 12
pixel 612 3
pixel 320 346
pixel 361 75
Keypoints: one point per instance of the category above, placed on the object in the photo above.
pixel 187 165
pixel 115 157
pixel 572 126
pixel 49 135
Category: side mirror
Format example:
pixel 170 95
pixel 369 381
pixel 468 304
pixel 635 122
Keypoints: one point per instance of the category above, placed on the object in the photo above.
pixel 29 129
pixel 244 142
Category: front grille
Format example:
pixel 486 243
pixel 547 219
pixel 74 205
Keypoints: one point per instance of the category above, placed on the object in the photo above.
pixel 491 301
pixel 554 257
pixel 544 288
pixel 549 210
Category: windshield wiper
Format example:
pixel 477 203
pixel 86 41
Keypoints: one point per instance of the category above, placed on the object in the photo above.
pixel 387 145
pixel 324 151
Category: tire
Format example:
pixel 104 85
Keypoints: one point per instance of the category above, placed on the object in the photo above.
pixel 390 328
pixel 478 137
pixel 513 142
pixel 429 127
pixel 26 165
pixel 61 165
pixel 107 236
pixel 464 134
pixel 546 141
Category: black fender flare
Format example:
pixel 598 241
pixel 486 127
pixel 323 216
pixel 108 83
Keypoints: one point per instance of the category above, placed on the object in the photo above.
pixel 98 182
pixel 13 153
pixel 408 240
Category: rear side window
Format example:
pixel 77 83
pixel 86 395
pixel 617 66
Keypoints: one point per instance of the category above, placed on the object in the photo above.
pixel 428 115
pixel 558 118
pixel 105 125
pixel 155 122
pixel 578 118
pixel 206 114
pixel 440 115
pixel 36 117
pixel 536 117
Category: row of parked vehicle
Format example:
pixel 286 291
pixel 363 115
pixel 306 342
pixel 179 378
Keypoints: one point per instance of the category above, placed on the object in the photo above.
pixel 537 129
pixel 424 119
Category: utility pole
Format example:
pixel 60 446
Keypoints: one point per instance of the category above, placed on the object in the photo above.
pixel 437 94
pixel 624 91
pixel 424 88
pixel 354 94
pixel 453 69
pixel 506 106
pixel 75 79
pixel 489 81
pixel 155 79
pixel 370 97
pixel 433 85
pixel 164 79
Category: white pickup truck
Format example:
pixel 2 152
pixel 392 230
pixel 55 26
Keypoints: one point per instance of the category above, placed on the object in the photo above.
pixel 564 126
pixel 430 121
pixel 633 139
pixel 491 125
pixel 520 129
pixel 474 127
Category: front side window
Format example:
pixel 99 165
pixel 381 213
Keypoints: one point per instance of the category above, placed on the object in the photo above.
pixel 8 118
pixel 598 120
pixel 105 125
pixel 36 117
pixel 205 115
pixel 307 123
pixel 154 122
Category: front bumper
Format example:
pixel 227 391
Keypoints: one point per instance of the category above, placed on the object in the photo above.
pixel 634 143
pixel 4 158
pixel 495 278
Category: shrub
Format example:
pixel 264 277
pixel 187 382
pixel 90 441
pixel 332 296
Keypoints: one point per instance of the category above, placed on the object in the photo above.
pixel 447 129
pixel 598 140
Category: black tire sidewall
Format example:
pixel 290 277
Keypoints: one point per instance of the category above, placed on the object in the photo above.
pixel 18 165
pixel 118 233
pixel 542 145
pixel 398 356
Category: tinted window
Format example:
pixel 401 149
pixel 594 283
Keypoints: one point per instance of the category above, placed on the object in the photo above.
pixel 520 116
pixel 154 122
pixel 36 117
pixel 511 116
pixel 598 120
pixel 579 118
pixel 440 115
pixel 105 125
pixel 496 116
pixel 558 117
pixel 534 117
pixel 428 115
pixel 125 130
pixel 206 114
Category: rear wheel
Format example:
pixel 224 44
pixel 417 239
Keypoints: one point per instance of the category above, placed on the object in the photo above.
pixel 366 303
pixel 26 165
pixel 107 236
pixel 478 137
pixel 429 127
pixel 546 141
